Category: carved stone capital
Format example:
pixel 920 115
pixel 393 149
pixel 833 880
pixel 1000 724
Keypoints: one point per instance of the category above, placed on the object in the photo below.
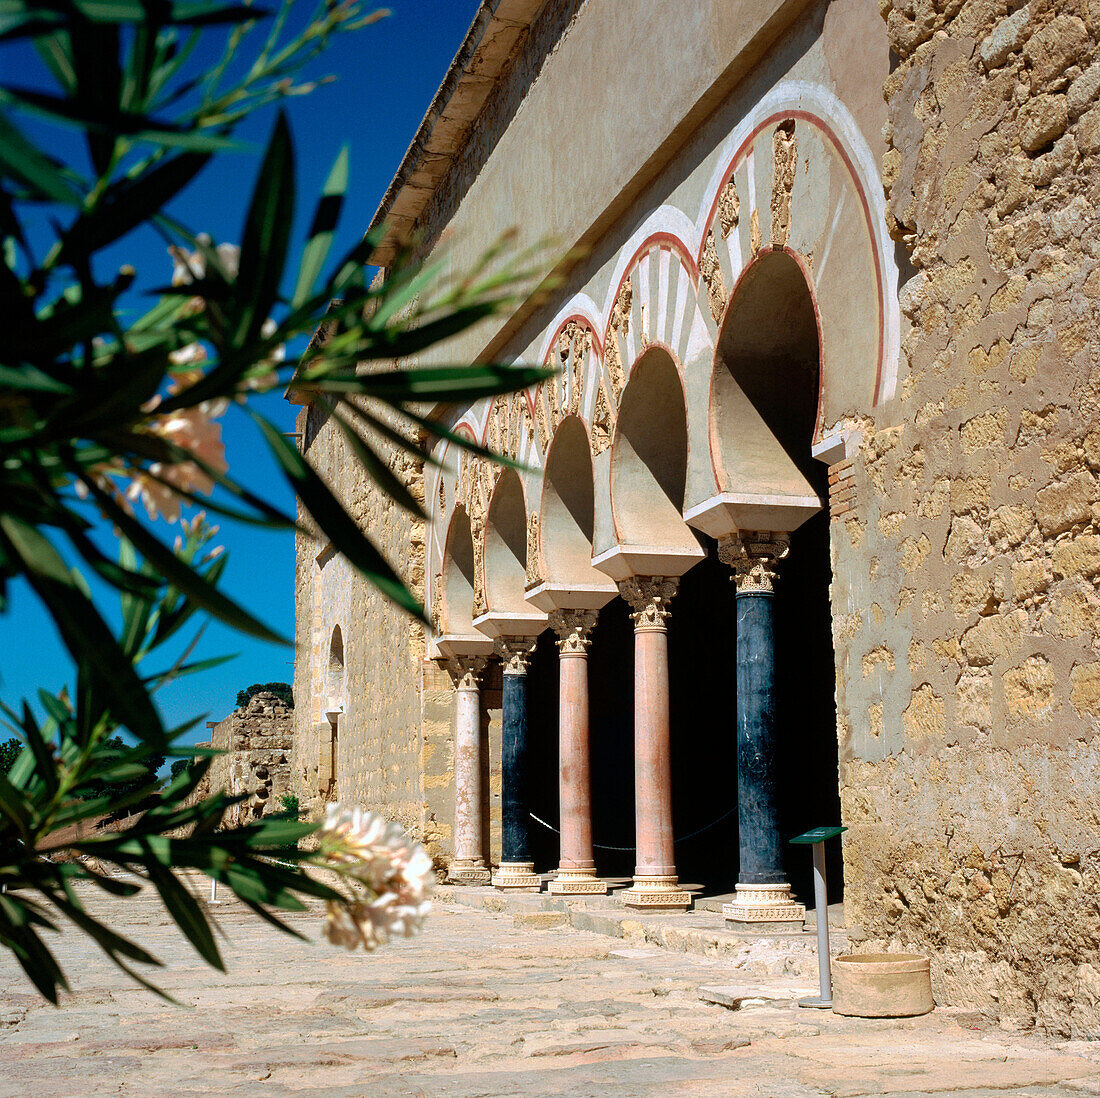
pixel 465 671
pixel 515 653
pixel 574 630
pixel 649 597
pixel 754 556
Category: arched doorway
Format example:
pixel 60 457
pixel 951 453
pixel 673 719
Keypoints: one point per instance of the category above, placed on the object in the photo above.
pixel 648 475
pixel 568 582
pixel 768 357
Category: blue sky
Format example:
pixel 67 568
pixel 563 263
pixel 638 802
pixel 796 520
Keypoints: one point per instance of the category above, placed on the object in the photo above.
pixel 386 75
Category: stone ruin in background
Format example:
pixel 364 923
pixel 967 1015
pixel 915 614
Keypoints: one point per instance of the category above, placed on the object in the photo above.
pixel 257 743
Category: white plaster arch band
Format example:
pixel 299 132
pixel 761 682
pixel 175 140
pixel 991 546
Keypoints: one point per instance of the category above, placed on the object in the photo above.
pixel 665 222
pixel 579 307
pixel 665 307
pixel 820 108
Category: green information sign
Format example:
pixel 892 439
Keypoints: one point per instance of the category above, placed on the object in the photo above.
pixel 818 835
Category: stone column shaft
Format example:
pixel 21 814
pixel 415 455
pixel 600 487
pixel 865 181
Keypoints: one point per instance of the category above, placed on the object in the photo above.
pixel 656 886
pixel 468 866
pixel 516 871
pixel 577 866
pixel 763 897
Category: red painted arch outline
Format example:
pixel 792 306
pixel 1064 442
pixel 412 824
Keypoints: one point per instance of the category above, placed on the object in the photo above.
pixel 820 124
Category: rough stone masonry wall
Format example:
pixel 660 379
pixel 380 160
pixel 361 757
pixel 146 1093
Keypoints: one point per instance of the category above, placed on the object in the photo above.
pixel 378 760
pixel 257 744
pixel 967 615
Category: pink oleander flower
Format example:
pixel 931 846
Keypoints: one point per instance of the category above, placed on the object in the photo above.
pixel 378 854
pixel 193 430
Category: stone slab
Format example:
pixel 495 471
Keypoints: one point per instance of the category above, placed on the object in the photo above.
pixel 736 996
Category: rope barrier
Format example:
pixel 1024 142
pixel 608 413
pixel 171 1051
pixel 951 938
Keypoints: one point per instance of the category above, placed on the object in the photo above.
pixel 626 849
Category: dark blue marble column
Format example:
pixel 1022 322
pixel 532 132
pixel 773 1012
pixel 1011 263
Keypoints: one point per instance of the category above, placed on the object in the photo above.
pixel 757 819
pixel 514 770
pixel 763 899
pixel 516 870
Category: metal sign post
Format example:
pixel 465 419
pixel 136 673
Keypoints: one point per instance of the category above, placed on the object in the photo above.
pixel 816 838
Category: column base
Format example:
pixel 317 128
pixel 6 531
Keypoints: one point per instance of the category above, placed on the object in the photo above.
pixel 656 894
pixel 577 882
pixel 764 909
pixel 517 877
pixel 469 873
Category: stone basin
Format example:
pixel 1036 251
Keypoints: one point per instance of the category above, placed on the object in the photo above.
pixel 881 985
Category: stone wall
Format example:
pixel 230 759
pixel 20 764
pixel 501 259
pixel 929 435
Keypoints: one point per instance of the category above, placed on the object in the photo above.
pixel 377 694
pixel 256 741
pixel 966 615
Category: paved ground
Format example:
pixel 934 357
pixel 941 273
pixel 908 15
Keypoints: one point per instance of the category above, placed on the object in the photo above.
pixel 481 1006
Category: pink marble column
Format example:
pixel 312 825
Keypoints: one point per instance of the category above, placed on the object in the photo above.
pixel 577 866
pixel 656 886
pixel 468 865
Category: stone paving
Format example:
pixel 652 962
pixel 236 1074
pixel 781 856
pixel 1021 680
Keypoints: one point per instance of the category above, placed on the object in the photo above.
pixel 483 1004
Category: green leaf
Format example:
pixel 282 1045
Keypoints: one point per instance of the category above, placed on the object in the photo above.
pixel 273 834
pixel 138 127
pixel 181 575
pixel 266 235
pixel 185 910
pixel 325 219
pixel 130 203
pixel 377 469
pixel 431 383
pixel 335 522
pixel 28 378
pixel 85 633
pixel 45 768
pixel 20 160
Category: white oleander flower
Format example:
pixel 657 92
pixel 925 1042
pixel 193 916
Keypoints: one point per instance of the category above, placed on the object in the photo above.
pixel 394 868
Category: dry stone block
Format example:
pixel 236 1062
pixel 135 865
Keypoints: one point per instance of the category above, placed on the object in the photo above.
pixel 973 700
pixel 1088 131
pixel 924 716
pixel 994 638
pixel 1084 691
pixel 1078 556
pixel 1054 48
pixel 1007 37
pixel 1042 120
pixel 1065 503
pixel 1029 688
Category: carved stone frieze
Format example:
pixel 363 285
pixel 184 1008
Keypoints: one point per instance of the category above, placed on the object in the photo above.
pixel 437 603
pixel 581 341
pixel 492 433
pixel 764 904
pixel 541 420
pixel 785 157
pixel 534 558
pixel 617 329
pixel 648 597
pixel 754 556
pixel 620 312
pixel 656 892
pixel 729 208
pixel 574 630
pixel 603 420
pixel 711 272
